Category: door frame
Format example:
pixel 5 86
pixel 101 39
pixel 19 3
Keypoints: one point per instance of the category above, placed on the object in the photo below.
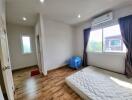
pixel 38 52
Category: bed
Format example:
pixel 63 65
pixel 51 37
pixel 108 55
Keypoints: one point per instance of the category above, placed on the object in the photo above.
pixel 93 83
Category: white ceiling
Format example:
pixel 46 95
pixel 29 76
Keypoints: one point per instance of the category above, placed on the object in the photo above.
pixel 60 10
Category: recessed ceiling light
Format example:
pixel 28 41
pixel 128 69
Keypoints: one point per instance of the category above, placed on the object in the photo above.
pixel 24 18
pixel 42 1
pixel 79 16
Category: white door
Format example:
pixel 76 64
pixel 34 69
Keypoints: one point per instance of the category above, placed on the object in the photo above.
pixel 6 66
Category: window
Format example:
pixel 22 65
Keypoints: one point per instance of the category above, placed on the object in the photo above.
pixel 26 44
pixel 95 41
pixel 107 39
pixel 112 39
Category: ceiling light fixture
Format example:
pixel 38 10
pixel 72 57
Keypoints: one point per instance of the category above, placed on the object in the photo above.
pixel 42 1
pixel 79 16
pixel 24 18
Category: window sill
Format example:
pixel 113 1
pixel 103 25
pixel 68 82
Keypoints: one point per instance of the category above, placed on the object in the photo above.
pixel 26 53
pixel 109 53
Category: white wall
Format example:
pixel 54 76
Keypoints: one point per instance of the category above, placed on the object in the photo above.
pixel 109 61
pixel 56 41
pixel 2 7
pixel 59 43
pixel 18 59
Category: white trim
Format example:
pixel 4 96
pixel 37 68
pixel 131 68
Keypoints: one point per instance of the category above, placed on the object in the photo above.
pixel 56 67
pixel 108 53
pixel 42 43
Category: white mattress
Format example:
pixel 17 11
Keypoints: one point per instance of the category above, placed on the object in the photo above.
pixel 92 83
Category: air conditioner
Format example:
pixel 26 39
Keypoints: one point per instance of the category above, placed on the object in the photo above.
pixel 104 18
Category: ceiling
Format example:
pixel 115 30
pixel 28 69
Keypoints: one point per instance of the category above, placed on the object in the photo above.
pixel 65 11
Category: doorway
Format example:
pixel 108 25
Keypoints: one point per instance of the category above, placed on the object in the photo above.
pixel 38 52
pixel 22 48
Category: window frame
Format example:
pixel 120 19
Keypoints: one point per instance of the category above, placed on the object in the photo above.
pixel 22 48
pixel 103 51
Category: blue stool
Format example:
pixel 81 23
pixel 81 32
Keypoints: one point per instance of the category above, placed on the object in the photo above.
pixel 75 62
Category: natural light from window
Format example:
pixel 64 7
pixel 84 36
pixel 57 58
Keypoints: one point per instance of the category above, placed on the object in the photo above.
pixel 26 43
pixel 107 39
pixel 112 39
pixel 95 41
pixel 122 83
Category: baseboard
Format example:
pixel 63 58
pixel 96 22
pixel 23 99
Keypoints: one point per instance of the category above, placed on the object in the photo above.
pixel 13 70
pixel 55 68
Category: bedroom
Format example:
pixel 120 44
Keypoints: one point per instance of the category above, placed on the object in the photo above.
pixel 98 31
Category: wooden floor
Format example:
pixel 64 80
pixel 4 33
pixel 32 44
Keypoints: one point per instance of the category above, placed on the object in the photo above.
pixel 50 87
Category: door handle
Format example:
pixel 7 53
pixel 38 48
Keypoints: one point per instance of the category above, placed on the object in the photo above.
pixel 6 67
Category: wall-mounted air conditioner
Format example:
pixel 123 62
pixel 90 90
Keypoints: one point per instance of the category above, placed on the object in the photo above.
pixel 104 18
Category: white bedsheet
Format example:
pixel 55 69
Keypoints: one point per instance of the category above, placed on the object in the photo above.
pixel 92 83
